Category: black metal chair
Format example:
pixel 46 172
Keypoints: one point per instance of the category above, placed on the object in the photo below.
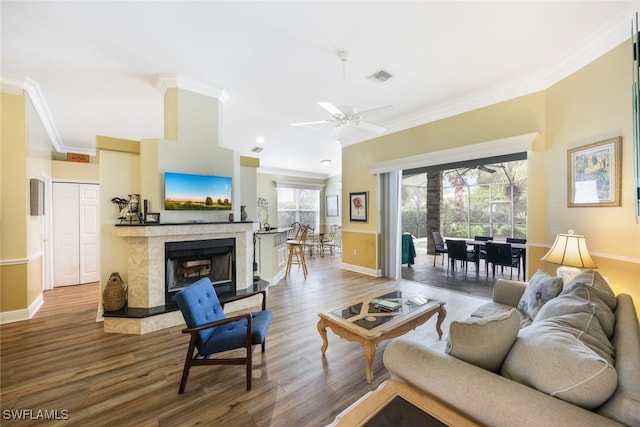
pixel 481 251
pixel 502 255
pixel 517 252
pixel 440 247
pixel 457 251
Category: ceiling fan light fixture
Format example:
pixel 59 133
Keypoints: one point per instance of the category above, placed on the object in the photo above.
pixel 325 162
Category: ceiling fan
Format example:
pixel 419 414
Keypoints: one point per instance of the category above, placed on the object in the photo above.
pixel 345 116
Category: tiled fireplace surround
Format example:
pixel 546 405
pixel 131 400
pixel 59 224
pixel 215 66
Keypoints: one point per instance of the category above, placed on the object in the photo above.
pixel 146 269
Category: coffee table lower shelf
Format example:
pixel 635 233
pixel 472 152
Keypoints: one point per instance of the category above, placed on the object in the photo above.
pixel 397 404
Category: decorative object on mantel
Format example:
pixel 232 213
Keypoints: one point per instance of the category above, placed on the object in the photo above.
pixel 129 209
pixel 243 213
pixel 152 218
pixel 115 293
pixel 231 217
pixel 263 211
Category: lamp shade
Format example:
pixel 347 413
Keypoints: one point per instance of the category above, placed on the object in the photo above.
pixel 570 250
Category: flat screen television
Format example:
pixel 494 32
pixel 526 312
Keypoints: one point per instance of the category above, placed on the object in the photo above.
pixel 184 191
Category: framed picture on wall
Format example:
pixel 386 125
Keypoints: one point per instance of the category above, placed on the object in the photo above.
pixel 594 174
pixel 332 205
pixel 358 206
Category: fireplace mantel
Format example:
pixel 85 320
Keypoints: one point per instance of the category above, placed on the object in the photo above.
pixel 145 267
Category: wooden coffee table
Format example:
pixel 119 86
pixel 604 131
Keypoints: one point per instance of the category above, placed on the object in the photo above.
pixel 396 403
pixel 379 317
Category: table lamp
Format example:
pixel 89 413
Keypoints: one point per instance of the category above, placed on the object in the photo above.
pixel 570 251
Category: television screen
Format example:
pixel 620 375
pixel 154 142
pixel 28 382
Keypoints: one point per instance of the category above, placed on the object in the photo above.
pixel 196 192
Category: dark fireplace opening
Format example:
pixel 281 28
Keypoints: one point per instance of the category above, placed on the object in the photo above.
pixel 189 261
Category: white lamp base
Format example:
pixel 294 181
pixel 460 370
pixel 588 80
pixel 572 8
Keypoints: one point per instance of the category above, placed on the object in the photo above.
pixel 567 273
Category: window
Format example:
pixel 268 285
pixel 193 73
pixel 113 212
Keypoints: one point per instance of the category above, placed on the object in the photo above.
pixel 298 205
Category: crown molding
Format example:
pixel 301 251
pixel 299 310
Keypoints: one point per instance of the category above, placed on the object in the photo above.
pixel 17 85
pixel 616 32
pixel 168 80
pixel 287 172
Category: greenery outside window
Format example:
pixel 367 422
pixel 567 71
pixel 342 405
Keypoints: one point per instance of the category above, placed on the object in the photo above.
pixel 298 205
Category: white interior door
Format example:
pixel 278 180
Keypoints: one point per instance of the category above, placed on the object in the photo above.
pixel 75 234
pixel 89 242
pixel 66 234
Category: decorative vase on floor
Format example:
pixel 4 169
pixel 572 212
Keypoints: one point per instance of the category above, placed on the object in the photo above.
pixel 114 294
pixel 243 213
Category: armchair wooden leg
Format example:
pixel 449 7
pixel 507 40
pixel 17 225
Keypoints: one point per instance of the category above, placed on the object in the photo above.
pixel 187 365
pixel 249 368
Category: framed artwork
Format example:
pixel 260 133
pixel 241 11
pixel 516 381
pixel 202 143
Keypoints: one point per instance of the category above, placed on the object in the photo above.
pixel 332 205
pixel 594 174
pixel 358 206
pixel 152 218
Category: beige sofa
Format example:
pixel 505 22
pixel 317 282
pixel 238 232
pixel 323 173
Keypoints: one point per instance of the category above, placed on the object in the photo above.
pixel 581 384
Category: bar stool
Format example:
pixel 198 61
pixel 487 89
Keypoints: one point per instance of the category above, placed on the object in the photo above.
pixel 296 252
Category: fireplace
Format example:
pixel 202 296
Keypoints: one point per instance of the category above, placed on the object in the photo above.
pixel 188 261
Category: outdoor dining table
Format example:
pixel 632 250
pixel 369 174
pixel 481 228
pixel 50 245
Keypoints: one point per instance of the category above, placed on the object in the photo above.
pixel 477 243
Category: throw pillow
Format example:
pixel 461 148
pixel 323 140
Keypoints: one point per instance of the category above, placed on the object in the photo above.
pixel 597 283
pixel 563 361
pixel 540 289
pixel 484 342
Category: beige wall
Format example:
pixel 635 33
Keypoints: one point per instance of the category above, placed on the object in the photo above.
pixel 25 154
pixel 74 171
pixel 588 106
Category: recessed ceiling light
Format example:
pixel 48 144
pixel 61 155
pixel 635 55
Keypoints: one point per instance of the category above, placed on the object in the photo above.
pixel 259 140
pixel 325 162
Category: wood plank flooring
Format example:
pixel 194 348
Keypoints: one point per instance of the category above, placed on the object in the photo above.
pixel 62 360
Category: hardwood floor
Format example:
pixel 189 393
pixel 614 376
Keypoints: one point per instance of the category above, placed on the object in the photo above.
pixel 61 360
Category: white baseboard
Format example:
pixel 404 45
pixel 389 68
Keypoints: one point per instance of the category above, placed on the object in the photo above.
pixel 360 269
pixel 22 314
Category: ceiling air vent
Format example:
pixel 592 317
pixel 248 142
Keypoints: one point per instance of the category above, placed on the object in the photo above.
pixel 380 76
pixel 257 149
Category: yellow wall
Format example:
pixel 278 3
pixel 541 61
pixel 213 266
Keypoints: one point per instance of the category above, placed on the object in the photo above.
pixel 587 106
pixel 25 154
pixel 13 204
pixel 74 171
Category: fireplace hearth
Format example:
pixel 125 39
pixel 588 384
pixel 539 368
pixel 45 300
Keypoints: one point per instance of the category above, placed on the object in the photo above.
pixel 188 261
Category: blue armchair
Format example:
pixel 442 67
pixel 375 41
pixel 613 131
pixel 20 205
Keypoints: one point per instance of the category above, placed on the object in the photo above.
pixel 211 332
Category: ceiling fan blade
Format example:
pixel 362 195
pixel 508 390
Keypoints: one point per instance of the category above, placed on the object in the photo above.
pixel 311 123
pixel 371 110
pixel 486 169
pixel 371 127
pixel 332 109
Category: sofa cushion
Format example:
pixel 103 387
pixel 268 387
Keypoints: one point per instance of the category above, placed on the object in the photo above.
pixel 558 358
pixel 624 405
pixel 494 308
pixel 581 298
pixel 597 283
pixel 541 288
pixel 484 342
